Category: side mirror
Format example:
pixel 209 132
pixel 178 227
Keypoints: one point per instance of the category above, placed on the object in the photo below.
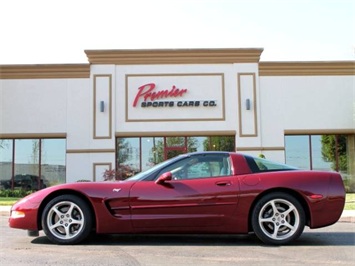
pixel 164 178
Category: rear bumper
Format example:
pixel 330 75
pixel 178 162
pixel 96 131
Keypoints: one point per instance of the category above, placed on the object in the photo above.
pixel 332 206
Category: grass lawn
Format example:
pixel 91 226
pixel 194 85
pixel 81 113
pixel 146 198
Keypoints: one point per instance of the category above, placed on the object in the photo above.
pixel 349 201
pixel 6 201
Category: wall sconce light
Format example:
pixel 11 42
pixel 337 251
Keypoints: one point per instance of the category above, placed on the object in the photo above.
pixel 247 104
pixel 102 106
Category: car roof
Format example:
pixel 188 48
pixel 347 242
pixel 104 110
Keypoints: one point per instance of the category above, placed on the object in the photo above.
pixel 206 152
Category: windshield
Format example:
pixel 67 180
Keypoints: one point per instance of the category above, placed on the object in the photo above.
pixel 261 165
pixel 146 173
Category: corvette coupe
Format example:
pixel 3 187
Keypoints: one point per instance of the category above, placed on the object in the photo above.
pixel 193 193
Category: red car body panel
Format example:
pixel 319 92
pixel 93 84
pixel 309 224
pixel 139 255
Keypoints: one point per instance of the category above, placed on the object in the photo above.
pixel 205 205
pixel 322 192
pixel 184 204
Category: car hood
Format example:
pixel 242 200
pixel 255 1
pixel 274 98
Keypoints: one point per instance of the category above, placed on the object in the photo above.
pixel 92 190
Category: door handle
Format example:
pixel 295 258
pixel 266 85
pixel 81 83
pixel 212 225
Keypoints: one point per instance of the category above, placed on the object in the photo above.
pixel 223 183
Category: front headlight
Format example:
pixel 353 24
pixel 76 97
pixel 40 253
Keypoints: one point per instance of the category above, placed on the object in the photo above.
pixel 17 214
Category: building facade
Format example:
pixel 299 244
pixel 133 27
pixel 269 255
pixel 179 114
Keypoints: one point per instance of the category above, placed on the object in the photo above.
pixel 130 109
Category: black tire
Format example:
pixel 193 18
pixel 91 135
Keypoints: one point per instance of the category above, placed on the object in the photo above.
pixel 67 219
pixel 278 218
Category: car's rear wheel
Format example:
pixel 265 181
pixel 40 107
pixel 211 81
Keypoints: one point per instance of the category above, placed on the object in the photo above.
pixel 67 220
pixel 278 218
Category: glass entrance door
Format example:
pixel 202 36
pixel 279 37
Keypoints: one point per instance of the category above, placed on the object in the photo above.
pixel 141 153
pixel 172 152
pixel 174 146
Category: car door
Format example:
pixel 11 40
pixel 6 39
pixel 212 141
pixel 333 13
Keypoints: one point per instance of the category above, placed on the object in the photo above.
pixel 200 194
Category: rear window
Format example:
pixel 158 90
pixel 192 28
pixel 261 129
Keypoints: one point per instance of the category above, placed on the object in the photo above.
pixel 258 165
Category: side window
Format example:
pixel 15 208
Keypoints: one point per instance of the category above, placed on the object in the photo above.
pixel 177 169
pixel 198 170
pixel 225 169
pixel 202 166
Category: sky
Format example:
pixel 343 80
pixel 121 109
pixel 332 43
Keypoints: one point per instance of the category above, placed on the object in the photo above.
pixel 58 32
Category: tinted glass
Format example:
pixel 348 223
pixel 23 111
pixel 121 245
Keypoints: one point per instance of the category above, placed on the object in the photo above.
pixel 138 154
pixel 199 166
pixel 128 159
pixel 152 153
pixel 53 166
pixel 319 162
pixel 6 146
pixel 297 150
pixel 27 156
pixel 261 165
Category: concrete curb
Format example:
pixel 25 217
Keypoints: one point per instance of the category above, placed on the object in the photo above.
pixel 5 210
pixel 348 216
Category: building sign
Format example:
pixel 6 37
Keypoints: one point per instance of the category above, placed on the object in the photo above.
pixel 175 97
pixel 151 97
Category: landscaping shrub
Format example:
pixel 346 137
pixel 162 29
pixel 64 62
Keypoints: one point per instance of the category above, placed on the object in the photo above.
pixel 17 193
pixel 349 184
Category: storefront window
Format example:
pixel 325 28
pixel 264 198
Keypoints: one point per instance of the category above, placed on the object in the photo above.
pixel 128 159
pixel 152 152
pixel 197 144
pixel 319 162
pixel 174 146
pixel 6 163
pixel 297 151
pixel 53 161
pixel 220 143
pixel 27 157
pixel 139 154
pixel 175 142
pixel 32 164
pixel 323 152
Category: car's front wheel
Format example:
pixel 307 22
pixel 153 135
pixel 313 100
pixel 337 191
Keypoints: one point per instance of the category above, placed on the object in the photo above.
pixel 67 219
pixel 278 218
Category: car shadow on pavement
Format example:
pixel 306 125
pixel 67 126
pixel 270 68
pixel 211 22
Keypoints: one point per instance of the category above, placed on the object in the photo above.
pixel 306 239
pixel 326 239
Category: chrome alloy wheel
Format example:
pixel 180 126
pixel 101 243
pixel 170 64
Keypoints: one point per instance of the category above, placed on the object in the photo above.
pixel 279 219
pixel 65 220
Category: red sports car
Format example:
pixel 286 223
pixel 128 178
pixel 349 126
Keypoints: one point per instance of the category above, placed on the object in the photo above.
pixel 204 192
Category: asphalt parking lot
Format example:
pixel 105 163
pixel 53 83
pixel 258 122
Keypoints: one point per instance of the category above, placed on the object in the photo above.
pixel 332 245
